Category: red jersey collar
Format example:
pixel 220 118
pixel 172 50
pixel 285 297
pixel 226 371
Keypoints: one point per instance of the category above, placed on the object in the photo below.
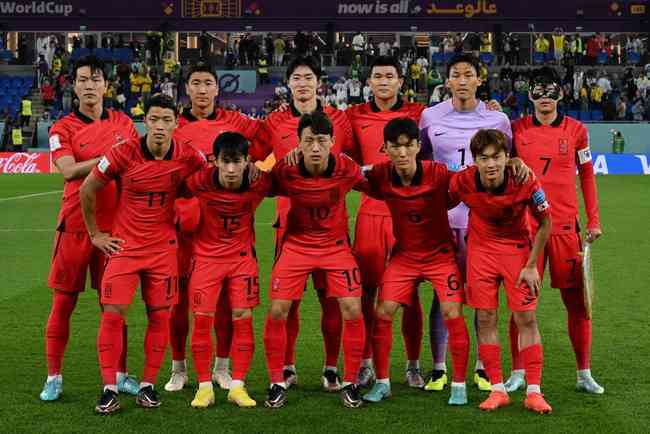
pixel 331 164
pixel 187 114
pixel 556 123
pixel 149 156
pixel 396 107
pixel 296 114
pixel 417 177
pixel 500 190
pixel 245 185
pixel 85 119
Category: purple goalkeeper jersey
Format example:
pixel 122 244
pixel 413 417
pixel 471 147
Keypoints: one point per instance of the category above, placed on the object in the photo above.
pixel 446 133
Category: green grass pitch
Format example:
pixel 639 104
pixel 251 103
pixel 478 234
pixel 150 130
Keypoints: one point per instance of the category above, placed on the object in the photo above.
pixel 620 350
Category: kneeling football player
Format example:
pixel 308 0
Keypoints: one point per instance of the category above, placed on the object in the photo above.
pixel 499 249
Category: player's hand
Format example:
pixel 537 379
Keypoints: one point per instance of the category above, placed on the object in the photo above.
pixel 253 173
pixel 494 105
pixel 521 172
pixel 593 234
pixel 530 276
pixel 106 243
pixel 283 107
pixel 293 157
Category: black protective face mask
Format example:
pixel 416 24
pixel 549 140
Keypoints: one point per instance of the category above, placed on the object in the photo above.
pixel 546 90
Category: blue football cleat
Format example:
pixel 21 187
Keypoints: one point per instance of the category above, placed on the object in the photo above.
pixel 379 392
pixel 458 395
pixel 52 390
pixel 128 384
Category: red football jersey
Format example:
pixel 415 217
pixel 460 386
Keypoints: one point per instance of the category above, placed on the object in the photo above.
pixel 498 221
pixel 201 134
pixel 419 210
pixel 278 134
pixel 368 123
pixel 553 152
pixel 145 213
pixel 317 216
pixel 82 138
pixel 226 230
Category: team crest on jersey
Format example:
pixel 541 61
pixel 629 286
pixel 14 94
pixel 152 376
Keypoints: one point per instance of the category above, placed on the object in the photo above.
pixel 563 146
pixel 276 284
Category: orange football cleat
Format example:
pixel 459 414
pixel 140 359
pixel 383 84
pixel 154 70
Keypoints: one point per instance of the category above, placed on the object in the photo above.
pixel 495 400
pixel 536 402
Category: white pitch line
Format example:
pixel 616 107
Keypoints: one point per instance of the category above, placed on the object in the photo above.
pixel 27 196
pixel 25 230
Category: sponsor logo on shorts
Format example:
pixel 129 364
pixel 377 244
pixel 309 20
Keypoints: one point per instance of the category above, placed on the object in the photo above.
pixel 528 300
pixel 108 290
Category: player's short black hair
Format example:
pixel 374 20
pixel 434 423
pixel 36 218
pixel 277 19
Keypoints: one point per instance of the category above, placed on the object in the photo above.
pixel 162 101
pixel 486 137
pixel 318 122
pixel 401 127
pixel 386 61
pixel 544 74
pixel 230 144
pixel 200 67
pixel 308 61
pixel 93 62
pixel 464 58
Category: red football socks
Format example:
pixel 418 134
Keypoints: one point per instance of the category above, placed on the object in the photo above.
pixel 382 344
pixel 412 330
pixel 155 343
pixel 109 345
pixel 202 346
pixel 368 308
pixel 491 356
pixel 275 343
pixel 293 327
pixel 57 330
pixel 533 360
pixel 354 336
pixel 579 326
pixel 331 325
pixel 243 347
pixel 514 344
pixel 223 327
pixel 179 325
pixel 458 347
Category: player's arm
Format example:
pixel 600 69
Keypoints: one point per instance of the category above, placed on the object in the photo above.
pixel 588 186
pixel 88 194
pixel 541 212
pixel 70 169
pixel 453 189
pixel 261 147
pixel 520 171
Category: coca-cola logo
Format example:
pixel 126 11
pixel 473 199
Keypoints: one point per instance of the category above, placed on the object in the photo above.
pixel 19 162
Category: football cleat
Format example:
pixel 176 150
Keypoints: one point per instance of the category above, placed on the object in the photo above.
pixel 589 385
pixel 128 384
pixel 290 378
pixel 52 390
pixel 331 381
pixel 204 398
pixel 481 380
pixel 514 383
pixel 177 381
pixel 436 382
pixel 108 402
pixel 495 400
pixel 222 378
pixel 147 398
pixel 414 378
pixel 277 397
pixel 379 392
pixel 239 396
pixel 536 402
pixel 366 376
pixel 351 396
pixel 458 395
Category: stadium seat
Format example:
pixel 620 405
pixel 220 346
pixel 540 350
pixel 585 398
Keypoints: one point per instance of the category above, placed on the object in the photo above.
pixel 79 52
pixel 633 58
pixel 602 58
pixel 486 58
pixel 585 116
pixel 573 114
pixel 104 54
pixel 539 58
pixel 438 58
pixel 597 115
pixel 124 55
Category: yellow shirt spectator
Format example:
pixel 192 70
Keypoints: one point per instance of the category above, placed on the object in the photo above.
pixel 542 45
pixel 558 43
pixel 17 136
pixel 26 107
pixel 136 82
pixel 596 94
pixel 169 65
pixel 415 71
pixel 146 83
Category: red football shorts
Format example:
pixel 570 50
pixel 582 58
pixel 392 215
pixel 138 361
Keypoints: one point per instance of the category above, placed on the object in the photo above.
pixel 404 273
pixel 485 272
pixel 155 273
pixel 237 280
pixel 564 260
pixel 73 255
pixel 317 277
pixel 373 243
pixel 295 263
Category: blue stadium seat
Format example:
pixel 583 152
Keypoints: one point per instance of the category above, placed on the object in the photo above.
pixel 597 115
pixel 79 52
pixel 633 58
pixel 438 58
pixel 104 54
pixel 124 55
pixel 573 114
pixel 585 116
pixel 602 58
pixel 486 58
pixel 538 58
pixel 447 57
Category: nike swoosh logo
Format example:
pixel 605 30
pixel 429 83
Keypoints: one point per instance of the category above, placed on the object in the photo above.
pixel 363 127
pixel 82 145
pixel 438 134
pixel 285 137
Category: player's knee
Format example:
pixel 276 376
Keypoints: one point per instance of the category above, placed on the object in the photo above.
pixel 386 309
pixel 487 319
pixel 279 311
pixel 451 310
pixel 350 308
pixel 115 308
pixel 241 314
pixel 526 321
